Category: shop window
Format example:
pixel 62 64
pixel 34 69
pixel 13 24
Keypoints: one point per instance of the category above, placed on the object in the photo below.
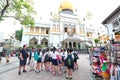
pixel 115 23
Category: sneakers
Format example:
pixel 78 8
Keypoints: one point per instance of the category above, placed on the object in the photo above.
pixel 19 73
pixel 24 71
pixel 54 73
pixel 37 71
pixel 70 78
pixel 67 77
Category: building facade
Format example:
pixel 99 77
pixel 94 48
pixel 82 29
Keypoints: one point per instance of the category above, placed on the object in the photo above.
pixel 62 25
pixel 112 23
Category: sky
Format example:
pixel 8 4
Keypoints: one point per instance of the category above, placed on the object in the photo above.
pixel 100 9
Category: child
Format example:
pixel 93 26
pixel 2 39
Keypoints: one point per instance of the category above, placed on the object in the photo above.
pixel 75 59
pixel 38 59
pixel 69 64
pixel 55 62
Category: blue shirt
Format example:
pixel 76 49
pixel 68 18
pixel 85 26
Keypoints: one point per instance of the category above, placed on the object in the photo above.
pixel 24 53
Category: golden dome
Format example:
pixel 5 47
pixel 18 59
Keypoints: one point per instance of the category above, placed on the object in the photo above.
pixel 66 5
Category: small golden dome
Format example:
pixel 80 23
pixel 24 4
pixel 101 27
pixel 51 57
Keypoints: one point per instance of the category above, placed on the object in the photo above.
pixel 66 5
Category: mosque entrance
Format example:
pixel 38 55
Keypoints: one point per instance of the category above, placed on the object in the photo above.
pixel 72 42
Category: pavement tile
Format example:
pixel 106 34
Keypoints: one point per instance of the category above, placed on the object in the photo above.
pixel 83 73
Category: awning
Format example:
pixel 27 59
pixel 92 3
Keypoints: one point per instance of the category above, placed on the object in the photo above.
pixel 72 39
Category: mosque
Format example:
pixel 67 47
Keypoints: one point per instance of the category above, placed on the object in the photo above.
pixel 64 30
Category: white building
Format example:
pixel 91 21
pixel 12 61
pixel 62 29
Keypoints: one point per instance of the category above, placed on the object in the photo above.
pixel 112 24
pixel 62 24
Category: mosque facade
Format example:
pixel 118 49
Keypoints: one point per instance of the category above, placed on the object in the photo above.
pixel 62 25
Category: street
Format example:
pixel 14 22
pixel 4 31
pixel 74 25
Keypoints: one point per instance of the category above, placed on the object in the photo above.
pixel 83 73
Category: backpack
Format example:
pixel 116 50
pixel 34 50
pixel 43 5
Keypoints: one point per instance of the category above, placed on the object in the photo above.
pixel 36 56
pixel 46 57
pixel 75 56
pixel 69 60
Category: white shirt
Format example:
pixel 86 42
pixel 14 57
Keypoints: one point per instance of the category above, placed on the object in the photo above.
pixel 63 54
pixel 40 54
pixel 54 55
pixel 50 53
pixel 32 54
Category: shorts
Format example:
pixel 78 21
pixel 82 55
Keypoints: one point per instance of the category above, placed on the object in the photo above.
pixel 63 59
pixel 50 59
pixel 55 62
pixel 75 60
pixel 23 62
pixel 59 61
pixel 39 60
pixel 70 66
pixel 65 62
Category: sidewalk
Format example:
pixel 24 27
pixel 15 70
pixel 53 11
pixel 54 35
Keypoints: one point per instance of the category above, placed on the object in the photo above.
pixel 83 73
pixel 5 67
pixel 12 59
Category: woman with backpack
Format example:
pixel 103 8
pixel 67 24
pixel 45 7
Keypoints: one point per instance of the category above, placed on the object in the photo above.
pixel 69 64
pixel 38 59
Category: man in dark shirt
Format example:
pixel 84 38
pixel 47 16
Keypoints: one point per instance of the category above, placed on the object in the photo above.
pixel 23 59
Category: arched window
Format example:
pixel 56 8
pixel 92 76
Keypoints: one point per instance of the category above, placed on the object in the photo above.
pixel 74 44
pixel 44 41
pixel 33 41
pixel 70 45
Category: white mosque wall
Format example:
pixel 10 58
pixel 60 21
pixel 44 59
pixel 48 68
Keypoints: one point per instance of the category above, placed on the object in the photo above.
pixel 25 40
pixel 56 40
pixel 39 40
pixel 110 31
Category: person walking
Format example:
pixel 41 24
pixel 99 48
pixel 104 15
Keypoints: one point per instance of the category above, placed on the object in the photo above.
pixel 69 64
pixel 23 55
pixel 7 55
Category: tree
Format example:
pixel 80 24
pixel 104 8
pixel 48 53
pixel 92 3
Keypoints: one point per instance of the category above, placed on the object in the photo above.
pixel 18 34
pixel 96 41
pixel 18 9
